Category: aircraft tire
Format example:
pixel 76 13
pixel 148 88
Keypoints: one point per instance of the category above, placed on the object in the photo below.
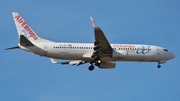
pixel 91 68
pixel 159 66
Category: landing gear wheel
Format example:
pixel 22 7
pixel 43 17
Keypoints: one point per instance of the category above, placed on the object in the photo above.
pixel 159 66
pixel 91 67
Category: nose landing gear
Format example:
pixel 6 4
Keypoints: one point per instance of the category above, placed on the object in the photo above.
pixel 159 63
pixel 159 66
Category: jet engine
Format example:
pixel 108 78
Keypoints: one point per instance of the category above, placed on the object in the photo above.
pixel 109 64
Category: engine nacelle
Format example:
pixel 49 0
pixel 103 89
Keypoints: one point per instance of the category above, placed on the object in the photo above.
pixel 110 64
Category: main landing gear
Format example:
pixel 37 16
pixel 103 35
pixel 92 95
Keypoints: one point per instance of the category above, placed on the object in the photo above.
pixel 91 67
pixel 96 63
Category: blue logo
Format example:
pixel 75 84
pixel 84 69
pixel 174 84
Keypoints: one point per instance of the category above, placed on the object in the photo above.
pixel 25 33
pixel 143 50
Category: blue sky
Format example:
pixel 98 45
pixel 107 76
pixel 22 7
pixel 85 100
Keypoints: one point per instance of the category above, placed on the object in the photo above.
pixel 27 77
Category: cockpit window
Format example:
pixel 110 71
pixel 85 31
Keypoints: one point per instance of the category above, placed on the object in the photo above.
pixel 166 50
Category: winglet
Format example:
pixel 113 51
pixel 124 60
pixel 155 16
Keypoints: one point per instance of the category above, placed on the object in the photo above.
pixel 94 23
pixel 53 61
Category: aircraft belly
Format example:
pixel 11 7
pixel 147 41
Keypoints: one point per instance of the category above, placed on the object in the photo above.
pixel 69 54
pixel 138 57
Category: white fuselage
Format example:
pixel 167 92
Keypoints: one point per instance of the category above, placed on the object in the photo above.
pixel 122 52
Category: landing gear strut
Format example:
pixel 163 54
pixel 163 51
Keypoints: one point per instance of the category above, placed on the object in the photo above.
pixel 91 67
pixel 97 62
pixel 159 63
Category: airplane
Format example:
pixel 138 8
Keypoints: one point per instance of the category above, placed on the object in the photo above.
pixel 100 53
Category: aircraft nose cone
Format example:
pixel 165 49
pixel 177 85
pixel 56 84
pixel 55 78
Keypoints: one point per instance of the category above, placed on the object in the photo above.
pixel 172 56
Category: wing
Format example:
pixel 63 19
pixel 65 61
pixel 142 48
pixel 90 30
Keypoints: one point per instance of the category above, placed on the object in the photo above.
pixel 76 62
pixel 101 44
pixel 100 37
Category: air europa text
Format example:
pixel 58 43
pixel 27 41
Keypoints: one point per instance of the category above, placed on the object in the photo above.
pixel 26 27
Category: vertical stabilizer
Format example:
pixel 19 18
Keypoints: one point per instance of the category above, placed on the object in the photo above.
pixel 24 29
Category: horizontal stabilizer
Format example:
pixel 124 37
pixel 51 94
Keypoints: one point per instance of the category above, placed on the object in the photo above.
pixel 24 41
pixel 16 47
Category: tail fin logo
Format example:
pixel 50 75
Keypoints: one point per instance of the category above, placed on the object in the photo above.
pixel 25 33
pixel 28 32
